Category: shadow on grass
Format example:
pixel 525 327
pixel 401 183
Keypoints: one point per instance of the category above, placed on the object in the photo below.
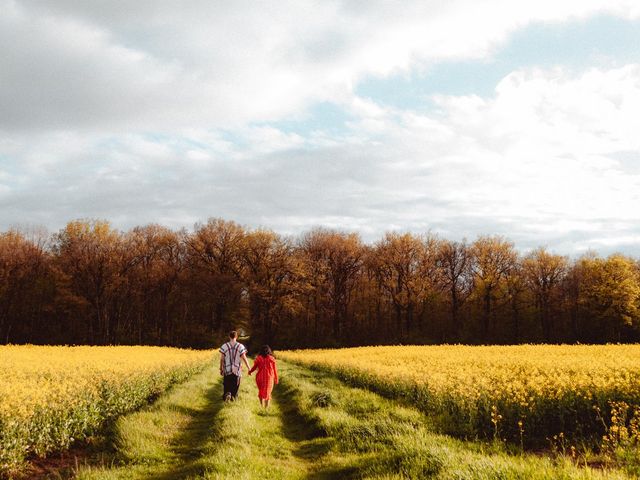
pixel 334 472
pixel 98 450
pixel 298 428
pixel 312 441
pixel 189 446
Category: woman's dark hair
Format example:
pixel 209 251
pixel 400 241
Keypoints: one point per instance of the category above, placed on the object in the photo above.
pixel 265 351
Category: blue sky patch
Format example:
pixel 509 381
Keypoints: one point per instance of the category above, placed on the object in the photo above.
pixel 601 41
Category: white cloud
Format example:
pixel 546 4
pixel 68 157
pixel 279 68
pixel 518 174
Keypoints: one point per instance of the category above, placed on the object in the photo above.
pixel 148 111
pixel 167 65
pixel 543 152
pixel 540 162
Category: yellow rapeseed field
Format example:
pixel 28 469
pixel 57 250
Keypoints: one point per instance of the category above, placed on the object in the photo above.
pixel 529 394
pixel 51 396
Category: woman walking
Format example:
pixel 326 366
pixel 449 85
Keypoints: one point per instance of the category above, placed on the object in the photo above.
pixel 267 374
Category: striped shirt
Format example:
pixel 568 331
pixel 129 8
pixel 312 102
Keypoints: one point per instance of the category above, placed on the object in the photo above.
pixel 232 356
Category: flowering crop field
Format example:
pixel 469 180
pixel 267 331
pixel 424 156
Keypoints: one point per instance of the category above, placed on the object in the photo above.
pixel 528 394
pixel 52 396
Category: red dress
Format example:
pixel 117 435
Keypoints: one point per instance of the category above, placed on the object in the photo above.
pixel 267 375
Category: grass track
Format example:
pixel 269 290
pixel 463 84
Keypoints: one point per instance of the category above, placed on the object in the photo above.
pixel 376 438
pixel 167 439
pixel 317 428
pixel 191 433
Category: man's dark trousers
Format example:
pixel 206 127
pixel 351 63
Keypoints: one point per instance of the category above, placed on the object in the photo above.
pixel 231 384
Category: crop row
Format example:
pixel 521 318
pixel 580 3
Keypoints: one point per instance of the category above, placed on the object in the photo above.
pixel 528 395
pixel 51 397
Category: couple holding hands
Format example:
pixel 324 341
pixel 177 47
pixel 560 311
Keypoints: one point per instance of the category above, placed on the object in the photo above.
pixel 232 353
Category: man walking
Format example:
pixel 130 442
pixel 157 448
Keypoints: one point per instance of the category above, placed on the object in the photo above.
pixel 231 354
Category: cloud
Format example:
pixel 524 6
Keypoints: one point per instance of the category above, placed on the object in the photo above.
pixel 154 111
pixel 544 161
pixel 159 65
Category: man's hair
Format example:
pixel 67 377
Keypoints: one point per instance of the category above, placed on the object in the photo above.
pixel 233 334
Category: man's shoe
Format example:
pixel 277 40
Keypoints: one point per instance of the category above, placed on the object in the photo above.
pixel 228 397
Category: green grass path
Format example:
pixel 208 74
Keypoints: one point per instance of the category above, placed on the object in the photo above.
pixel 317 428
pixel 191 433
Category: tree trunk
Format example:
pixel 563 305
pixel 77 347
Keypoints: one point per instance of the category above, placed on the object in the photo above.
pixel 398 310
pixel 455 328
pixel 486 317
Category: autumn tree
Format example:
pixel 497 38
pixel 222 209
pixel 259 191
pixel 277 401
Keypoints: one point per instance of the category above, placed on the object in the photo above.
pixel 90 283
pixel 406 269
pixel 332 261
pixel 315 272
pixel 493 260
pixel 89 253
pixel 157 259
pixel 271 273
pixel 609 295
pixel 544 273
pixel 215 257
pixel 26 284
pixel 516 297
pixel 454 261
pixel 344 257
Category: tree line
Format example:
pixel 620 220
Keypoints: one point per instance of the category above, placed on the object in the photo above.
pixel 93 284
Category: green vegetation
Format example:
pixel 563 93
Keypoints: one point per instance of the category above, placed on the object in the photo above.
pixel 191 433
pixel 372 437
pixel 52 397
pixel 523 394
pixel 166 439
pixel 317 428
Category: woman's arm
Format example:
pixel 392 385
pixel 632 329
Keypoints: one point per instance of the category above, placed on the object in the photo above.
pixel 255 365
pixel 275 372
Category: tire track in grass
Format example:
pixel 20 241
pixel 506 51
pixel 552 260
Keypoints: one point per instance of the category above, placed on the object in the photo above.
pixel 197 437
pixel 167 439
pixel 318 428
pixel 256 444
pixel 371 437
pixel 190 433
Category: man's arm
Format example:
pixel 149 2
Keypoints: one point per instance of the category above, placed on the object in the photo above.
pixel 221 363
pixel 244 357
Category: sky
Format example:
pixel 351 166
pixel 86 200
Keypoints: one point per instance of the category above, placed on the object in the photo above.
pixel 459 118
